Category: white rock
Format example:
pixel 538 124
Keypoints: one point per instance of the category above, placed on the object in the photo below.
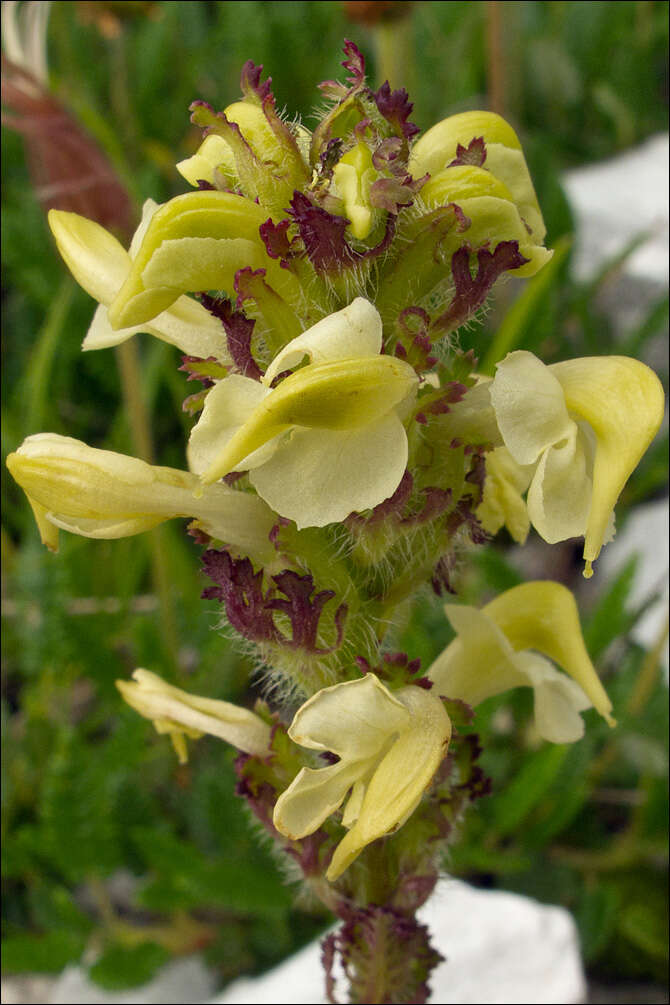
pixel 617 200
pixel 31 989
pixel 182 982
pixel 501 948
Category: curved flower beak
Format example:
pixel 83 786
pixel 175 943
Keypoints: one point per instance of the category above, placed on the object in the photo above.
pixel 340 395
pixel 390 745
pixel 101 266
pixel 181 714
pixel 495 650
pixel 102 494
pixel 584 424
pixel 622 400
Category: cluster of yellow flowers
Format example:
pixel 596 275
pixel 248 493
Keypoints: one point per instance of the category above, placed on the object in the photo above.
pixel 351 254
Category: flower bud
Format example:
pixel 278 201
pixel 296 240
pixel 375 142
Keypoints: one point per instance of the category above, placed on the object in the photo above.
pixel 353 175
pixel 212 162
pixel 503 158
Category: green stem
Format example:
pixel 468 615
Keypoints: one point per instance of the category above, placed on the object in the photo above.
pixel 648 674
pixel 131 386
pixel 38 372
pixel 394 52
pixel 496 62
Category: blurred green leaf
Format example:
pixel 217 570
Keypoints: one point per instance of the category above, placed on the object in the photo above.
pixel 122 967
pixel 609 618
pixel 528 787
pixel 187 879
pixel 41 954
pixel 596 916
pixel 642 925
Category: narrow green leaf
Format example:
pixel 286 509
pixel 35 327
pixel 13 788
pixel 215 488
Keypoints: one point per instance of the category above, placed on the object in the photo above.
pixel 528 787
pixel 596 916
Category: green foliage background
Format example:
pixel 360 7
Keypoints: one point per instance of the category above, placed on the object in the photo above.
pixel 110 845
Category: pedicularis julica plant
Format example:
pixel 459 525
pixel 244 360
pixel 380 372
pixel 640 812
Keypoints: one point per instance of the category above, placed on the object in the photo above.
pixel 344 454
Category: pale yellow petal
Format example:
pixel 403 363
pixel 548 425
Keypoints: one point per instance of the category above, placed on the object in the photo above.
pixel 312 797
pixel 353 174
pixel 153 698
pixel 320 476
pixel 558 700
pixel 503 503
pixel 209 215
pixel 186 325
pixel 509 165
pixel 201 263
pixel 436 148
pixel 559 498
pixel 345 394
pixel 543 615
pixel 212 154
pixel 229 404
pixel 479 662
pixel 462 182
pixel 401 778
pixel 530 406
pixel 355 331
pixel 95 258
pixel 102 494
pixel 353 720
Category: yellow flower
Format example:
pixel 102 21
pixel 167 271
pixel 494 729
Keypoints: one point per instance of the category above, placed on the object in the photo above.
pixel 497 648
pixel 101 266
pixel 181 715
pixel 389 747
pixel 102 494
pixel 328 439
pixel 583 425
